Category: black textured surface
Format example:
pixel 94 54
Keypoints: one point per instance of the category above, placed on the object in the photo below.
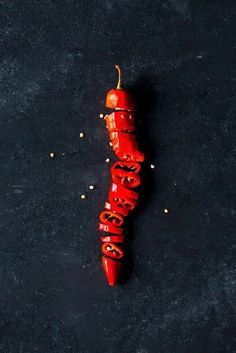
pixel 56 63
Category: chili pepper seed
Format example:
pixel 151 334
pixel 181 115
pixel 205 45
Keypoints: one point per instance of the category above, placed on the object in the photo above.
pixel 108 160
pixel 110 143
pixel 101 116
pixel 166 210
pixel 52 154
pixel 83 197
pixel 91 187
pixel 152 166
pixel 81 135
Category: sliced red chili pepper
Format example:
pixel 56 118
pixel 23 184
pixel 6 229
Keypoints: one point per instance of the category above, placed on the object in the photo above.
pixel 127 179
pixel 112 238
pixel 122 202
pixel 125 146
pixel 134 167
pixel 116 208
pixel 111 268
pixel 112 250
pixel 120 121
pixel 122 191
pixel 110 229
pixel 111 218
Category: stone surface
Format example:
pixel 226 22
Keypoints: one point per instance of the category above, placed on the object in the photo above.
pixel 177 292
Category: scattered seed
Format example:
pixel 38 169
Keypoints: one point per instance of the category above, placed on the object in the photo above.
pixel 101 116
pixel 110 143
pixel 81 135
pixel 108 160
pixel 91 187
pixel 52 154
pixel 108 248
pixel 166 210
pixel 152 166
pixel 83 197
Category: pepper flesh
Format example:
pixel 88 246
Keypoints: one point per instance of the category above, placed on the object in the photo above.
pixel 111 218
pixel 112 250
pixel 112 206
pixel 121 191
pixel 120 121
pixel 129 180
pixel 134 167
pixel 126 147
pixel 110 229
pixel 112 238
pixel 112 269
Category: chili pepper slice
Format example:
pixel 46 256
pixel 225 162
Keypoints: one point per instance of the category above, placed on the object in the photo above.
pixel 134 167
pixel 111 268
pixel 112 250
pixel 116 208
pixel 127 179
pixel 120 121
pixel 110 229
pixel 125 146
pixel 111 218
pixel 122 191
pixel 122 202
pixel 112 238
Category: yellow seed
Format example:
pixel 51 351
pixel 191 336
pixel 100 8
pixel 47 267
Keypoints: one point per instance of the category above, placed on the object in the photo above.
pixel 83 197
pixel 108 160
pixel 166 210
pixel 52 154
pixel 81 135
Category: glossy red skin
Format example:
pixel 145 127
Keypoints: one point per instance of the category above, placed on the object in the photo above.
pixel 117 221
pixel 121 191
pixel 120 99
pixel 111 269
pixel 112 239
pixel 120 121
pixel 110 229
pixel 114 208
pixel 126 179
pixel 126 147
pixel 118 251
pixel 128 165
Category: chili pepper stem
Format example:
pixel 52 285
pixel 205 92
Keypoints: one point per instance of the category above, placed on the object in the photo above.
pixel 119 77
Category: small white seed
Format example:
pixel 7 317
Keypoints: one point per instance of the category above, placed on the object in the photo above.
pixel 52 154
pixel 152 166
pixel 108 160
pixel 81 135
pixel 101 116
pixel 110 143
pixel 91 187
pixel 83 197
pixel 166 210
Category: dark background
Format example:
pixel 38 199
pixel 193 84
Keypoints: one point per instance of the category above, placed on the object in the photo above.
pixel 177 291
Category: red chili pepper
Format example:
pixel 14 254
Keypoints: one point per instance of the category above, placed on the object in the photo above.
pixel 110 229
pixel 134 167
pixel 111 268
pixel 125 146
pixel 122 202
pixel 118 98
pixel 120 121
pixel 112 238
pixel 116 208
pixel 112 250
pixel 123 192
pixel 111 218
pixel 127 179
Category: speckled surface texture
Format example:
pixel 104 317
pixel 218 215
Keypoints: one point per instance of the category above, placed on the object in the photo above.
pixel 177 294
